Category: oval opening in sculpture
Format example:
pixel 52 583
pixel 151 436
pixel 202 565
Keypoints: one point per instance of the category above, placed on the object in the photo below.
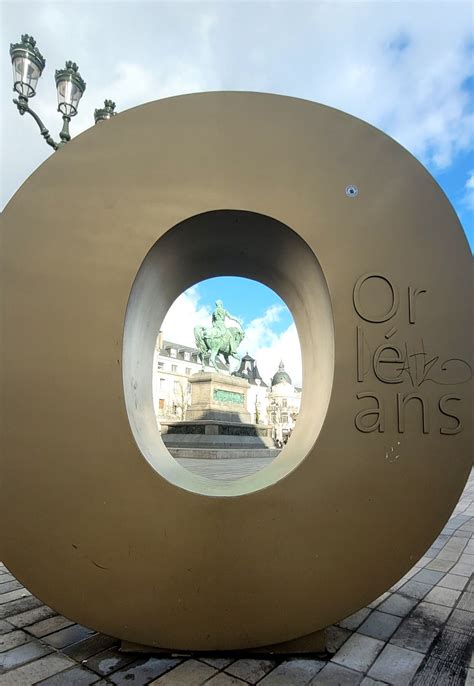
pixel 237 243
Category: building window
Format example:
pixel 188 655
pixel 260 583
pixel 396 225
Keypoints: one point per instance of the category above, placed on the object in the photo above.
pixel 161 365
pixel 186 356
pixel 176 387
pixel 284 402
pixel 161 403
pixel 174 368
pixel 188 371
pixel 173 352
pixel 162 383
pixel 284 418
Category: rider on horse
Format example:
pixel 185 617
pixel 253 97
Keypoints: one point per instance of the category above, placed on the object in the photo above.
pixel 218 320
pixel 219 340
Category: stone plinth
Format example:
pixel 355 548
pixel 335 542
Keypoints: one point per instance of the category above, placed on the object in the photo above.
pixel 218 397
pixel 217 418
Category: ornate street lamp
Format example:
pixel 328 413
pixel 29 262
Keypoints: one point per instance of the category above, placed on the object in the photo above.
pixel 28 64
pixel 106 112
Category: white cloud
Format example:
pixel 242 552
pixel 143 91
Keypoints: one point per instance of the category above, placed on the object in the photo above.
pixel 132 83
pixel 269 347
pixel 184 314
pixel 468 198
pixel 284 347
pixel 259 331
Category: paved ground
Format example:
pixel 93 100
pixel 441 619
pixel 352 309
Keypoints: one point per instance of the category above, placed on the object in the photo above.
pixel 225 469
pixel 420 633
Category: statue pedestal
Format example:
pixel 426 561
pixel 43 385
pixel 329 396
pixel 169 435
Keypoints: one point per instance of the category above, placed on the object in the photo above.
pixel 218 397
pixel 217 419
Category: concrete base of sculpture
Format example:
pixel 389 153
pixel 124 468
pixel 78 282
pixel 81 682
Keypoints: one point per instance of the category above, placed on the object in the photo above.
pixel 311 644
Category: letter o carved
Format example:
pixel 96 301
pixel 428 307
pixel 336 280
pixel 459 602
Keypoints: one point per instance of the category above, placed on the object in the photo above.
pixel 102 524
pixel 395 299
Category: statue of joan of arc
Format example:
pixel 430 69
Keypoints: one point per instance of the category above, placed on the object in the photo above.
pixel 219 339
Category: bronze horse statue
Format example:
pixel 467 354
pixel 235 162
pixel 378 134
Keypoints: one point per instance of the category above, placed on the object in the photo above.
pixel 211 345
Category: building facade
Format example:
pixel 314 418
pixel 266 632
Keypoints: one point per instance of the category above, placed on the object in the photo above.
pixel 284 401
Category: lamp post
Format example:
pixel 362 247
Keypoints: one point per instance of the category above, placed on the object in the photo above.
pixel 106 112
pixel 28 65
pixel 275 420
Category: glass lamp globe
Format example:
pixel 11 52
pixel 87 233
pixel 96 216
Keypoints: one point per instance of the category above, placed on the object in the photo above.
pixel 106 112
pixel 28 64
pixel 70 87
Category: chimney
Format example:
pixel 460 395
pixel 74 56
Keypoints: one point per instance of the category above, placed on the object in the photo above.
pixel 159 343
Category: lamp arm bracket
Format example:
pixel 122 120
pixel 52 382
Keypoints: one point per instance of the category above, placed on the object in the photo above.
pixel 22 105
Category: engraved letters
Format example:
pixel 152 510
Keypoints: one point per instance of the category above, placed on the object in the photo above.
pixel 386 358
pixel 376 301
pixel 402 401
pixel 442 407
pixel 376 412
pixel 372 317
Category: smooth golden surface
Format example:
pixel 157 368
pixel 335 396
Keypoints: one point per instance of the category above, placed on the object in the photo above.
pixel 114 539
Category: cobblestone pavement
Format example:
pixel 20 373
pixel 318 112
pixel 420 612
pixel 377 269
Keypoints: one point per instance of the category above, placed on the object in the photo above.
pixel 229 469
pixel 419 633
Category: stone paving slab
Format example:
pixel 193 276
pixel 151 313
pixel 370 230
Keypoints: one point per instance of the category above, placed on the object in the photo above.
pixel 47 626
pixel 192 672
pixel 296 672
pixel 90 646
pixel 13 640
pixel 419 633
pixel 380 625
pixel 396 665
pixel 77 676
pixel 37 671
pixel 147 669
pixel 251 671
pixel 31 616
pixel 358 652
pixel 5 627
pixel 336 675
pixel 109 661
pixel 229 469
pixel 20 655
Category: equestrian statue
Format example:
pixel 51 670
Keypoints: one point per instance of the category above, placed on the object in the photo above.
pixel 219 339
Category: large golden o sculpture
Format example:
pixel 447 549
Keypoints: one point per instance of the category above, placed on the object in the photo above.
pixel 354 234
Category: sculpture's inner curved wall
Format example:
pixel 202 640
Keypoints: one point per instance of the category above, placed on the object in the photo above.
pixel 241 244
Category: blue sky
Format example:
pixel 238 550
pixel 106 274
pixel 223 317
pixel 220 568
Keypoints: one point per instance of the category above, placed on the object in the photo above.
pixel 453 181
pixel 244 298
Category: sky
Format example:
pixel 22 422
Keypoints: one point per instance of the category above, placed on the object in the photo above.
pixel 404 67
